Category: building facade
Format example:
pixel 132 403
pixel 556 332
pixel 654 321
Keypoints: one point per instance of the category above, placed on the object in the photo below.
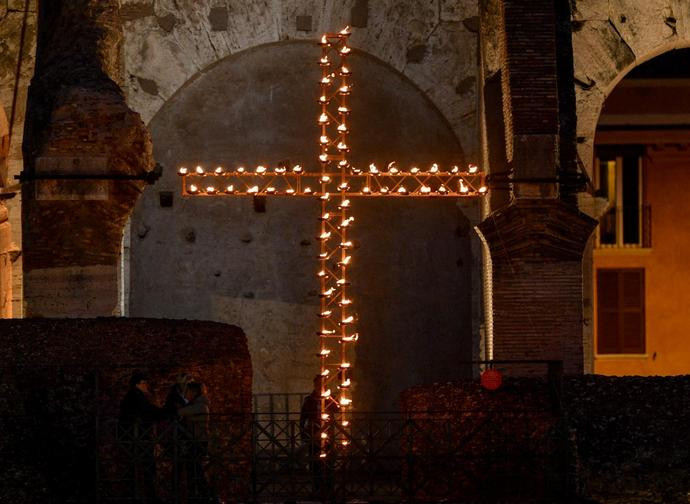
pixel 516 87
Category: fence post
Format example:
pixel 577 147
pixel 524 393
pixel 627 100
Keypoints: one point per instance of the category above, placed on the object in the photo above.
pixel 555 379
pixel 97 436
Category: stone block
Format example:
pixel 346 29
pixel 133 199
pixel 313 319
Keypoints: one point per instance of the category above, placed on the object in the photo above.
pixel 450 10
pixel 136 9
pixel 304 23
pixel 167 22
pixel 218 18
pixel 148 86
pixel 416 53
pixel 359 14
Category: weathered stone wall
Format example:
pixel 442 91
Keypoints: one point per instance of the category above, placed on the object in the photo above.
pixel 18 35
pixel 432 42
pixel 78 126
pixel 62 382
pixel 221 260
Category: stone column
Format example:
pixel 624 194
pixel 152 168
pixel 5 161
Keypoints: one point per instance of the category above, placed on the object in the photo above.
pixel 86 157
pixel 536 236
pixel 6 249
pixel 536 251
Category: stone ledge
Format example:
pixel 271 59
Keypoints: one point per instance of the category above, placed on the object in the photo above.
pixel 537 230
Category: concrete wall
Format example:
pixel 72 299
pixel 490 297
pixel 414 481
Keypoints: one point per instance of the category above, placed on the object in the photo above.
pixel 220 260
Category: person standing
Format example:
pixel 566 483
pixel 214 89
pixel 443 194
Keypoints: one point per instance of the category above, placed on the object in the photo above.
pixel 195 418
pixel 310 431
pixel 137 428
pixel 177 395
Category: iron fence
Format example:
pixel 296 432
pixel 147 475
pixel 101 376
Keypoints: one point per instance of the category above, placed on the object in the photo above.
pixel 470 456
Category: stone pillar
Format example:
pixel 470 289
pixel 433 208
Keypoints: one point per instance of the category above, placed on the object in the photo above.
pixel 537 237
pixel 6 250
pixel 536 251
pixel 86 157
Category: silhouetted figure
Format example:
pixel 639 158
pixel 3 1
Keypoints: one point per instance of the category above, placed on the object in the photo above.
pixel 138 417
pixel 310 431
pixel 195 416
pixel 176 396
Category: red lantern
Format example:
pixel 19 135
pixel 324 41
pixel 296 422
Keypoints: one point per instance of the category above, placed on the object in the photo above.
pixel 491 379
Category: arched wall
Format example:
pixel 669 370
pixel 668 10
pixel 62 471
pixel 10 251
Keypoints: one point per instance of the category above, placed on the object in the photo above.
pixel 221 260
pixel 431 42
pixel 610 38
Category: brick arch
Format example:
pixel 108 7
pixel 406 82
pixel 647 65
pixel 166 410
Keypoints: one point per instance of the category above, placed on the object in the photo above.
pixel 611 39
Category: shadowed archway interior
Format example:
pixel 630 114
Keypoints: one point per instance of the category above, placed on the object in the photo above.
pixel 232 261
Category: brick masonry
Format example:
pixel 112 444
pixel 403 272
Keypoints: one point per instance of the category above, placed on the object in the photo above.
pixel 58 375
pixel 536 251
pixel 623 440
pixel 77 113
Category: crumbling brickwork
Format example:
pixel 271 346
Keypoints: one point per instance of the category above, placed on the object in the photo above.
pixel 536 240
pixel 78 125
pixel 536 252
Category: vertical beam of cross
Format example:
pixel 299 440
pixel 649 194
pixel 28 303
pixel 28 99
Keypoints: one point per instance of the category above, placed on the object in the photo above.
pixel 334 184
pixel 337 315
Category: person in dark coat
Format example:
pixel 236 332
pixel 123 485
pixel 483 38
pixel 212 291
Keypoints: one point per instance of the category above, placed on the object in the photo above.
pixel 177 395
pixel 136 408
pixel 137 432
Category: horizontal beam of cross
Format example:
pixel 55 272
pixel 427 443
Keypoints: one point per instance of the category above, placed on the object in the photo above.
pixel 373 183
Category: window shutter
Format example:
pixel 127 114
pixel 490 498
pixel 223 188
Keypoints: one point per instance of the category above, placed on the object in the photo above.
pixel 632 317
pixel 620 311
pixel 607 311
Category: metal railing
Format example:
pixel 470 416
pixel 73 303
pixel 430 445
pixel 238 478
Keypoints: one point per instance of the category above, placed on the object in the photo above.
pixel 611 232
pixel 470 456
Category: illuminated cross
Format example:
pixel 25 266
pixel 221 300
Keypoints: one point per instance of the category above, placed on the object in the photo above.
pixel 334 185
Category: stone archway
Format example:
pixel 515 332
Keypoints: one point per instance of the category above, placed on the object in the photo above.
pixel 230 261
pixel 610 39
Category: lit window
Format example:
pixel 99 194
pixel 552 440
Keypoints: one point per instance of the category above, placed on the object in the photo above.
pixel 625 220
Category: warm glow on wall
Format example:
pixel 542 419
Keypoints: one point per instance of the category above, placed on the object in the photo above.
pixel 337 181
